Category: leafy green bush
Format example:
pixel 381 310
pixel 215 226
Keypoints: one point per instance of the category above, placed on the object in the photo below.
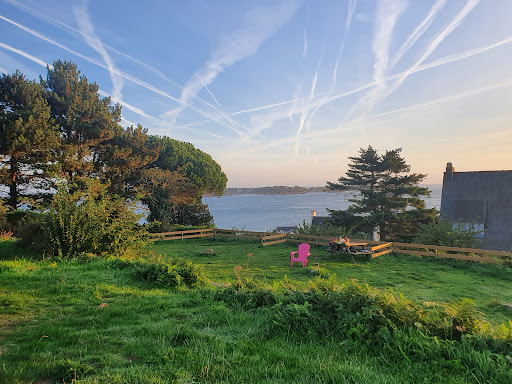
pixel 173 272
pixel 340 310
pixel 30 232
pixel 448 234
pixel 91 221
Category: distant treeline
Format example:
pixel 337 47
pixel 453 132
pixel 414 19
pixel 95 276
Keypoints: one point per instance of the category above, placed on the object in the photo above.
pixel 276 190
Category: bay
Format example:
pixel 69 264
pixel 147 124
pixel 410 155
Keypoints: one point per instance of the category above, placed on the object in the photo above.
pixel 267 212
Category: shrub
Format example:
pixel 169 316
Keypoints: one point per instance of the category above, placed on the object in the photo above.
pixel 356 310
pixel 90 221
pixel 30 232
pixel 448 234
pixel 173 272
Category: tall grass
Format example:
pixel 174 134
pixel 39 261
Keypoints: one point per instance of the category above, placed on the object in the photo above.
pixel 115 321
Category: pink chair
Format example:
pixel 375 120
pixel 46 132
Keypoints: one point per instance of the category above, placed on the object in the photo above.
pixel 303 255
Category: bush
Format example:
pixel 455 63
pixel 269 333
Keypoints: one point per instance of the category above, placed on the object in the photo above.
pixel 30 232
pixel 448 234
pixel 352 309
pixel 173 272
pixel 90 221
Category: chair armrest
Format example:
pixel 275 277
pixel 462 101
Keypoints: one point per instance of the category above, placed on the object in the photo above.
pixel 293 253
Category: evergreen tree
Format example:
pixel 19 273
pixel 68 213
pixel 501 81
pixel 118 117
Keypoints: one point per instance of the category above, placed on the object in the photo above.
pixel 84 119
pixel 28 140
pixel 389 196
pixel 121 159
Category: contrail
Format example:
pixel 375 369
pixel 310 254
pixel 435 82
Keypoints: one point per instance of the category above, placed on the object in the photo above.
pixel 456 22
pixel 90 37
pixel 133 79
pixel 65 27
pixel 419 30
pixel 446 60
pixel 220 109
pixel 343 126
pixel 128 106
pixel 25 54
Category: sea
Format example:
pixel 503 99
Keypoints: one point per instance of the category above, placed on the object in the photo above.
pixel 267 212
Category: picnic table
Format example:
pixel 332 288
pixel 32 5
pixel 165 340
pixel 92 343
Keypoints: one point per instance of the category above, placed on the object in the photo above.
pixel 350 248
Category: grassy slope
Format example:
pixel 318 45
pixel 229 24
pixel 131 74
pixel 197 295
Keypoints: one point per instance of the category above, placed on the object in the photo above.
pixel 421 279
pixel 53 330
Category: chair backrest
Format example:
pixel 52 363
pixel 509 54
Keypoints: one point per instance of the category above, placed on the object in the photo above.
pixel 303 249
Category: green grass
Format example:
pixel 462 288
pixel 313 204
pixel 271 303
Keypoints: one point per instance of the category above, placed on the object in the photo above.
pixel 53 330
pixel 418 278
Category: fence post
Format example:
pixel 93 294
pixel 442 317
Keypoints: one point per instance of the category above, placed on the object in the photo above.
pixel 181 235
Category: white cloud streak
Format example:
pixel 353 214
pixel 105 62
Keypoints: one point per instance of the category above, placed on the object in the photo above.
pixel 86 27
pixel 327 97
pixel 259 24
pixel 73 31
pixel 456 22
pixel 24 54
pixel 124 75
pixel 419 30
pixel 240 134
pixel 345 126
pixel 388 12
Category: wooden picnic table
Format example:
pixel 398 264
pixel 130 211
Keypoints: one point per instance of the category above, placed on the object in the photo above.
pixel 351 248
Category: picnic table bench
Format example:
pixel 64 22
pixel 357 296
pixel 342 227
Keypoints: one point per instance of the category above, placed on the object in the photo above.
pixel 350 248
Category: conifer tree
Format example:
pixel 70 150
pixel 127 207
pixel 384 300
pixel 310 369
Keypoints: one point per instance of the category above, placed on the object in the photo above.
pixel 28 140
pixel 121 159
pixel 389 198
pixel 84 119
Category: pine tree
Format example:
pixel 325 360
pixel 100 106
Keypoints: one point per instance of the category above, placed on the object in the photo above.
pixel 389 198
pixel 121 159
pixel 28 140
pixel 84 119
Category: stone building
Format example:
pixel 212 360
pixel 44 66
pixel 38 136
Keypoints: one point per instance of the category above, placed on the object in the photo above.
pixel 483 198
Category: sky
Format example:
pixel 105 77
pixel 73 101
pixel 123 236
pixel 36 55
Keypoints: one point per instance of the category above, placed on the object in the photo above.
pixel 282 92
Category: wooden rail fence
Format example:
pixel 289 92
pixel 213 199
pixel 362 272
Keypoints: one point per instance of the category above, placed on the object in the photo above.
pixel 377 248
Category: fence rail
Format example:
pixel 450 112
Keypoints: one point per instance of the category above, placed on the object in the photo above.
pixel 378 248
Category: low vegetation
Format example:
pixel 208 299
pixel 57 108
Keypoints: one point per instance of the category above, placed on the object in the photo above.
pixel 229 311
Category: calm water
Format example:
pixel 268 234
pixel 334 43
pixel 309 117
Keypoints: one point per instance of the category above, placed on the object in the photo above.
pixel 266 212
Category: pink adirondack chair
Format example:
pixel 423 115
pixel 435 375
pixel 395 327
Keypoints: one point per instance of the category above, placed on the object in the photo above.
pixel 302 257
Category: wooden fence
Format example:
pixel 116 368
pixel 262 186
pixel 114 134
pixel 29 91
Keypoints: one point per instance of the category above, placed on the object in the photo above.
pixel 452 252
pixel 377 248
pixel 180 235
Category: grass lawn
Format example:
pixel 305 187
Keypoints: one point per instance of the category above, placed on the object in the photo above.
pixel 76 322
pixel 418 278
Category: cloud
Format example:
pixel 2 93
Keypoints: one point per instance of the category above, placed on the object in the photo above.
pixel 388 12
pixel 124 75
pixel 259 25
pixel 456 22
pixel 419 30
pixel 345 126
pixel 90 37
pixel 73 31
pixel 24 54
pixel 330 96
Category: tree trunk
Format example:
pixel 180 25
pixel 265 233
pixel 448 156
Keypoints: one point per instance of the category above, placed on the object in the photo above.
pixel 13 190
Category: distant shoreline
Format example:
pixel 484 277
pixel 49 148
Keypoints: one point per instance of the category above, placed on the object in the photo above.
pixel 275 190
pixel 282 190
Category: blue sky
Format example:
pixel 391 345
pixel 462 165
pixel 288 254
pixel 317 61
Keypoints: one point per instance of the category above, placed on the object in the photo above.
pixel 281 92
